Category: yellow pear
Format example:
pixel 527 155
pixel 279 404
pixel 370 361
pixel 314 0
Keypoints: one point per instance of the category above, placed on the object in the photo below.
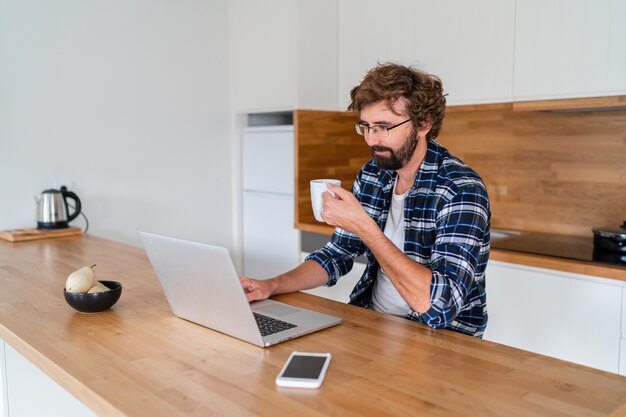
pixel 81 280
pixel 98 287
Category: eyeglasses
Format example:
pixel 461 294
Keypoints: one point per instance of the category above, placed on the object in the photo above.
pixel 364 129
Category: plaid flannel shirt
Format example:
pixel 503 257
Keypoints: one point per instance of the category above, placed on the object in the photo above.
pixel 446 221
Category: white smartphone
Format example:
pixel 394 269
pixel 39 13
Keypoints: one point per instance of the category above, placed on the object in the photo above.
pixel 304 370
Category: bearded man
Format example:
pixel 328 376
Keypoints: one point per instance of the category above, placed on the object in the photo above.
pixel 420 215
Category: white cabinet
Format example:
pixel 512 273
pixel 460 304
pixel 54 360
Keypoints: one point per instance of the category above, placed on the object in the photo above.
pixel 369 33
pixel 469 45
pixel 269 239
pixel 317 55
pixel 263 53
pixel 343 288
pixel 568 316
pixel 622 362
pixel 3 383
pixel 30 392
pixel 268 159
pixel 308 54
pixel 284 54
pixel 569 48
pixel 271 243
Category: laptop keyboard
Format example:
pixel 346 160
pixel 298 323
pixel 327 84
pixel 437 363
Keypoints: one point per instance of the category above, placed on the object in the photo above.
pixel 268 325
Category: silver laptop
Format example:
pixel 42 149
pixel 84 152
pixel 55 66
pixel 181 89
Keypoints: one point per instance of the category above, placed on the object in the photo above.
pixel 202 286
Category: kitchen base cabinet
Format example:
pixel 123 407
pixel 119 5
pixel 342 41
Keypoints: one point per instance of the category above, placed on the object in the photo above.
pixel 30 392
pixel 567 316
pixel 3 383
pixel 622 356
pixel 344 286
pixel 270 240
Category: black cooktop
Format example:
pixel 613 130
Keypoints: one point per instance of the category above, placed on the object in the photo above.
pixel 568 247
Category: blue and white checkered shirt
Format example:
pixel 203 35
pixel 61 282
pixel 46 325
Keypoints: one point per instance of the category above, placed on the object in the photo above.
pixel 446 221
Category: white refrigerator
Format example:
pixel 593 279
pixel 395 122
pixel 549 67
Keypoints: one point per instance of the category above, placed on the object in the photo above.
pixel 271 244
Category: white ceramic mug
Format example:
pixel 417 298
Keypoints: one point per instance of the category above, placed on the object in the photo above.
pixel 319 187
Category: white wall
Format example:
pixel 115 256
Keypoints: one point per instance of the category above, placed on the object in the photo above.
pixel 128 100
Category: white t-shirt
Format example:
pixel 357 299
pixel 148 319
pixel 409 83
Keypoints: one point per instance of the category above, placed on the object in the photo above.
pixel 385 297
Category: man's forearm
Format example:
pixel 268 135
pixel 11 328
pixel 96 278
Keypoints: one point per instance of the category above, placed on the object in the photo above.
pixel 410 278
pixel 307 275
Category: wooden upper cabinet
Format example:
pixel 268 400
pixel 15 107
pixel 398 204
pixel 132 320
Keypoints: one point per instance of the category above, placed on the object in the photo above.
pixel 284 54
pixel 566 49
pixel 469 45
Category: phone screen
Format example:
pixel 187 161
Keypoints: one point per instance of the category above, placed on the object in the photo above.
pixel 302 366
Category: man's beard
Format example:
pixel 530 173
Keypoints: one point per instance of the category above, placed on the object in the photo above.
pixel 400 157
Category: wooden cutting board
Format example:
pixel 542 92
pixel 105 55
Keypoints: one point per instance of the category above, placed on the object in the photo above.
pixel 22 235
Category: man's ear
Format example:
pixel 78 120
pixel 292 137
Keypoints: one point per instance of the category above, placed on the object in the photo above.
pixel 424 127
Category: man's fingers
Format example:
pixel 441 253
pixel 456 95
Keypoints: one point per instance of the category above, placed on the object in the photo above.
pixel 246 284
pixel 254 295
pixel 338 191
pixel 327 196
pixel 254 290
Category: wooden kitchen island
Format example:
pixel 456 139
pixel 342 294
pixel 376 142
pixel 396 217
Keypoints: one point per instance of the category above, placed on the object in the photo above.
pixel 138 360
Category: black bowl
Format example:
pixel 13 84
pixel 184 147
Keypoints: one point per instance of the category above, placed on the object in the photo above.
pixel 95 302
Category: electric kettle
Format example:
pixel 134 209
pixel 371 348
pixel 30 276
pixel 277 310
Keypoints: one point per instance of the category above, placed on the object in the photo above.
pixel 52 209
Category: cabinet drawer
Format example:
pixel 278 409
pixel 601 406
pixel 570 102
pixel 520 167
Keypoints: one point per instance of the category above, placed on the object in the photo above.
pixel 268 159
pixel 3 383
pixel 270 242
pixel 622 357
pixel 624 317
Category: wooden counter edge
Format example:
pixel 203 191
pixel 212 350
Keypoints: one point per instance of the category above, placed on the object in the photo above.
pixel 69 383
pixel 620 412
pixel 559 264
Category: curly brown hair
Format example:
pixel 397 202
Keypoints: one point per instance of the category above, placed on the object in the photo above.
pixel 421 92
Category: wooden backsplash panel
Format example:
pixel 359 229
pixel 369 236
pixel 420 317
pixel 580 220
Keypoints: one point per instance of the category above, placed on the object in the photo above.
pixel 327 146
pixel 562 173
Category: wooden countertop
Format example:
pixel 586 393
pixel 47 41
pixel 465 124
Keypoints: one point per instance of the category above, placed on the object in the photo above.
pixel 559 264
pixel 138 360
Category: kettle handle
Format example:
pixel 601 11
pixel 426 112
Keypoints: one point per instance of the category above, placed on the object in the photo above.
pixel 69 194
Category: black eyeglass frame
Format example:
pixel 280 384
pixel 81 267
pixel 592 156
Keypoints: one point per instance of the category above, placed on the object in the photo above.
pixel 366 128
